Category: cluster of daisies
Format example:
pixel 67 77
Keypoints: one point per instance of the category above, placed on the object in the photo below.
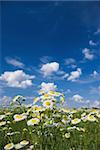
pixel 47 110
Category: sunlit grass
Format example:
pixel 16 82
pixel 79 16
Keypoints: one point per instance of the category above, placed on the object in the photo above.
pixel 48 125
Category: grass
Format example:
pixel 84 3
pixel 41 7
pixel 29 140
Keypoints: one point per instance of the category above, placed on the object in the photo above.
pixel 53 127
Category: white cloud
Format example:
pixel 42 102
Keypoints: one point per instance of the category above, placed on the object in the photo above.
pixel 65 76
pixel 48 87
pixel 14 62
pixel 91 43
pixel 95 104
pixel 74 75
pixel 94 74
pixel 88 54
pixel 49 68
pixel 18 79
pixel 5 100
pixel 97 32
pixel 77 98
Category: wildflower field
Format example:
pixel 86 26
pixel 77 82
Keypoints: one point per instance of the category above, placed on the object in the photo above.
pixel 48 125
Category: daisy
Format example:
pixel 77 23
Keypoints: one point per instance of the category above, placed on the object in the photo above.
pixel 36 100
pixel 51 93
pixel 76 121
pixel 37 108
pixel 9 146
pixel 18 98
pixel 33 121
pixel 2 123
pixel 2 117
pixel 24 143
pixel 67 135
pixel 64 120
pixel 48 104
pixel 91 118
pixel 18 146
pixel 19 117
pixel 98 115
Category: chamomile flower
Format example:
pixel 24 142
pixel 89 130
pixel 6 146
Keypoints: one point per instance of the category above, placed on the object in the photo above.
pixel 91 118
pixel 18 98
pixel 83 114
pixel 18 146
pixel 19 117
pixel 80 129
pixel 64 121
pixel 48 104
pixel 71 128
pixel 67 135
pixel 33 121
pixel 9 146
pixel 2 117
pixel 76 121
pixel 24 143
pixel 2 123
pixel 98 115
pixel 51 93
pixel 37 108
pixel 36 100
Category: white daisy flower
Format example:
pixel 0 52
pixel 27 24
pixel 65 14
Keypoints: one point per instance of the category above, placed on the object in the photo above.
pixel 24 143
pixel 67 135
pixel 2 123
pixel 71 128
pixel 48 104
pixel 19 117
pixel 36 100
pixel 76 121
pixel 2 117
pixel 98 115
pixel 33 121
pixel 9 146
pixel 18 146
pixel 37 108
pixel 91 118
pixel 64 121
pixel 31 147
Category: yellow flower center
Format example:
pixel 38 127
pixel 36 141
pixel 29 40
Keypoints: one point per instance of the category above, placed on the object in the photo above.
pixel 34 121
pixel 46 95
pixel 9 145
pixel 19 117
pixel 48 103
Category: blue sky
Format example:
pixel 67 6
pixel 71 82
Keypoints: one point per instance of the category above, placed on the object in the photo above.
pixel 51 45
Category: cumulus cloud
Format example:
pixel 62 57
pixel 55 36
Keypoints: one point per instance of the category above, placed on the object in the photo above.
pixel 49 68
pixel 95 104
pixel 48 87
pixel 88 54
pixel 77 98
pixel 5 100
pixel 74 75
pixel 14 62
pixel 91 43
pixel 18 79
pixel 65 76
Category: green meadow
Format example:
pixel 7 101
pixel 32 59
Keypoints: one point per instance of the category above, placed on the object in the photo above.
pixel 48 125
